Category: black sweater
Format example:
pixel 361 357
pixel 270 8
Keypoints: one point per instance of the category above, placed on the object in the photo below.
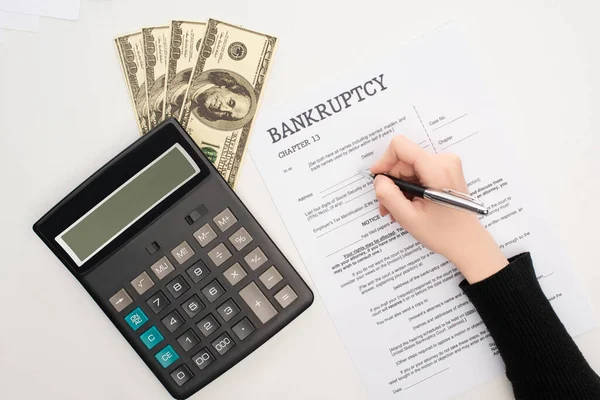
pixel 542 361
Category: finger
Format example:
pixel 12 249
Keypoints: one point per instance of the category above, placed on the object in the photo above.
pixel 403 171
pixel 390 197
pixel 383 211
pixel 400 149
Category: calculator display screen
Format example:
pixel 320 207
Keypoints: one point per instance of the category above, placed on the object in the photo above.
pixel 128 203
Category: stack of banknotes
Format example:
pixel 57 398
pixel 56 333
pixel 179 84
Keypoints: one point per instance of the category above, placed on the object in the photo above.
pixel 209 76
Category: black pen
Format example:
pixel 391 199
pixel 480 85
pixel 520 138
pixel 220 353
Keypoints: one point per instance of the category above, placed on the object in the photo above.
pixel 446 197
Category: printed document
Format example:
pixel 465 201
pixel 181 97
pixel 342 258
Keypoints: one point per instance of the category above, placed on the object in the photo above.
pixel 409 329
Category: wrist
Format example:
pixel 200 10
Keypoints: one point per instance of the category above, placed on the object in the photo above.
pixel 479 257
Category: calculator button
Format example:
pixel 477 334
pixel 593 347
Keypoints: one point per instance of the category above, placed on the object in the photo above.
pixel 219 254
pixel 258 303
pixel 205 235
pixel 213 291
pixel 223 343
pixel 196 214
pixel 157 303
pixel 270 277
pixel 228 310
pixel 120 300
pixel 162 268
pixel 243 329
pixel 240 239
pixel 188 340
pixel 142 283
pixel 183 252
pixel 172 321
pixel 286 296
pixel 234 274
pixel 151 337
pixel 193 306
pixel 152 248
pixel 255 258
pixel 136 318
pixel 225 219
pixel 198 271
pixel 181 375
pixel 203 359
pixel 167 356
pixel 208 325
pixel 177 286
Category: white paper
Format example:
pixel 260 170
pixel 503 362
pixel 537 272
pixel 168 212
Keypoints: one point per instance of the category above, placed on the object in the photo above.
pixel 397 307
pixel 66 9
pixel 19 22
pixel 1 36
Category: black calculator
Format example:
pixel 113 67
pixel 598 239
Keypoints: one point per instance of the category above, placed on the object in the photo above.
pixel 175 260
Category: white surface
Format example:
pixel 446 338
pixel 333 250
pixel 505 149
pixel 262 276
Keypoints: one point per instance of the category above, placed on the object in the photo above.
pixel 64 111
pixel 1 36
pixel 19 22
pixel 68 9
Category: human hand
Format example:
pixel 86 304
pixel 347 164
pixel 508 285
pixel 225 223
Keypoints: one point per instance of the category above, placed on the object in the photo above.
pixel 455 234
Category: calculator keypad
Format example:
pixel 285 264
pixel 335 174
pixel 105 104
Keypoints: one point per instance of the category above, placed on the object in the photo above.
pixel 198 312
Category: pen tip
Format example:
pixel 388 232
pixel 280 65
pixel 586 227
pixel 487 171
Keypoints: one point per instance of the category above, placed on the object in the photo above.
pixel 366 173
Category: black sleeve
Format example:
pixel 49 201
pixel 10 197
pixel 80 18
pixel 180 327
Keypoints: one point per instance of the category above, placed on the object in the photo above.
pixel 542 361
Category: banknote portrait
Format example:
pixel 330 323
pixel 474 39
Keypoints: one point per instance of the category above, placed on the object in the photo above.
pixel 176 91
pixel 222 100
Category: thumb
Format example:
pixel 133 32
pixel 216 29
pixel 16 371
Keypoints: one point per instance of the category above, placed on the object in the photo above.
pixel 390 196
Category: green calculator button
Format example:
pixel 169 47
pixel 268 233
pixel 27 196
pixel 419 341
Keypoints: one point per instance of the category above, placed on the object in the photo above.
pixel 151 337
pixel 136 318
pixel 167 356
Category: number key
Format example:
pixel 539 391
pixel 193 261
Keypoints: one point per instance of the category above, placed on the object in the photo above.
pixel 192 306
pixel 188 340
pixel 198 271
pixel 157 303
pixel 228 310
pixel 213 291
pixel 208 325
pixel 223 343
pixel 172 321
pixel 203 359
pixel 177 287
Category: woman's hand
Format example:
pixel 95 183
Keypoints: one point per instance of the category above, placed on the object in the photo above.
pixel 457 235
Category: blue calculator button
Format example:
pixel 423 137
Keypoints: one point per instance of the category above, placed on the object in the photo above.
pixel 167 356
pixel 151 337
pixel 136 318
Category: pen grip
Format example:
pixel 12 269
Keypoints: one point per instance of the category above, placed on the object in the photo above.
pixel 409 188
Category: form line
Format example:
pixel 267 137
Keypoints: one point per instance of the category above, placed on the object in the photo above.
pixel 347 222
pixel 340 188
pixel 448 123
pixel 337 251
pixel 465 138
pixel 339 183
pixel 414 384
pixel 354 198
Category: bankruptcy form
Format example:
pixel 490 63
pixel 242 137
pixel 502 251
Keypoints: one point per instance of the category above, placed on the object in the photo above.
pixel 409 329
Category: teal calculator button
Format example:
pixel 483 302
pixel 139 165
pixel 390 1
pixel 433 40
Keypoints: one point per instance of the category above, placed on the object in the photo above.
pixel 151 337
pixel 167 356
pixel 136 318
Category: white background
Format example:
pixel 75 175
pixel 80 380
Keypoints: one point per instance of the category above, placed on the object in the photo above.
pixel 64 111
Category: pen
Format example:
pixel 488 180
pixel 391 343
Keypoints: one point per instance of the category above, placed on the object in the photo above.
pixel 446 197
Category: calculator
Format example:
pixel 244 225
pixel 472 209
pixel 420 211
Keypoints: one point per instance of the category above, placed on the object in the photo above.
pixel 175 260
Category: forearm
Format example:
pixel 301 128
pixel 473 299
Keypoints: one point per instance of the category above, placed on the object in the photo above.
pixel 542 361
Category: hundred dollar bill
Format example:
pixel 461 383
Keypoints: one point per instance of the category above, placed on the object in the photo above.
pixel 184 45
pixel 225 91
pixel 156 49
pixel 131 55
